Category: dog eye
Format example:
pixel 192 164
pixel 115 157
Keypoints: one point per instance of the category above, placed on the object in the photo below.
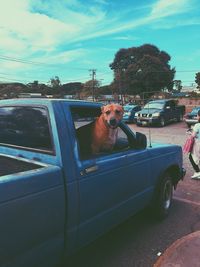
pixel 107 112
pixel 117 111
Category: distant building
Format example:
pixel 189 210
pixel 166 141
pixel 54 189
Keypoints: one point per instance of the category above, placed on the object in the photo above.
pixel 30 95
pixel 69 96
pixel 189 88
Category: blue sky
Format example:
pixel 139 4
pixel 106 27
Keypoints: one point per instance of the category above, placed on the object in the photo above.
pixel 40 39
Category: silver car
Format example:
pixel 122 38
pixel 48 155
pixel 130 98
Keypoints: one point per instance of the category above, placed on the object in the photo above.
pixel 191 117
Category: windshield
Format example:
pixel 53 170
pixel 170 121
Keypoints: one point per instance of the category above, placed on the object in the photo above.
pixel 128 108
pixel 154 105
pixel 195 110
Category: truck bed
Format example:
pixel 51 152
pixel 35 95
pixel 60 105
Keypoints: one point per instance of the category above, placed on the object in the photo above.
pixel 11 165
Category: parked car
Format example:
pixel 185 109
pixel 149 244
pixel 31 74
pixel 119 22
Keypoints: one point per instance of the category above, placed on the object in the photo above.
pixel 129 112
pixel 160 112
pixel 191 117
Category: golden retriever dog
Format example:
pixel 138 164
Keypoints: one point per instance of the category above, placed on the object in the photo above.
pixel 102 133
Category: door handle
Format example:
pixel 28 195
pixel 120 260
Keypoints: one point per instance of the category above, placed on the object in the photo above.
pixel 89 170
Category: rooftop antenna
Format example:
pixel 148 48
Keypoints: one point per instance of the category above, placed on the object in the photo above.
pixel 149 129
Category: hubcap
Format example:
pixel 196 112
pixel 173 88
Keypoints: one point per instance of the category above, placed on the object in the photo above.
pixel 167 194
pixel 162 122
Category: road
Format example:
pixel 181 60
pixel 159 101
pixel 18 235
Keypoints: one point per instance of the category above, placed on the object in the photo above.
pixel 139 241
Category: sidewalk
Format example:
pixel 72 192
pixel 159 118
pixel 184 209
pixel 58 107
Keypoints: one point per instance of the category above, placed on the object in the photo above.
pixel 184 252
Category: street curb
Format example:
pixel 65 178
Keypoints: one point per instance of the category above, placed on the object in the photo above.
pixel 183 252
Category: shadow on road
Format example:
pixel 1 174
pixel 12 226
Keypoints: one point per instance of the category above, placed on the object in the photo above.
pixel 137 242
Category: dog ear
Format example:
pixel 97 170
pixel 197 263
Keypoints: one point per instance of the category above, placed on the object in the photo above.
pixel 102 109
pixel 121 108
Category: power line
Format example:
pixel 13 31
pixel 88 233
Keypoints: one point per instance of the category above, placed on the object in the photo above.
pixel 20 60
pixel 15 80
pixel 24 61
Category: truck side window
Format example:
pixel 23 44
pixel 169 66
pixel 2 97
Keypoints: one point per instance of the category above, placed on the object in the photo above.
pixel 84 116
pixel 25 127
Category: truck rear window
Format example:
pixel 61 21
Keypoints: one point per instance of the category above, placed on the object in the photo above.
pixel 25 126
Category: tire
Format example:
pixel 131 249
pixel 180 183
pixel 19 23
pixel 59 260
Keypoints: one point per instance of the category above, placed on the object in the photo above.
pixel 188 125
pixel 163 197
pixel 178 119
pixel 162 122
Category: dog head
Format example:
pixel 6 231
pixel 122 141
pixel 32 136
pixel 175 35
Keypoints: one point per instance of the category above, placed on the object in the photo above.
pixel 112 114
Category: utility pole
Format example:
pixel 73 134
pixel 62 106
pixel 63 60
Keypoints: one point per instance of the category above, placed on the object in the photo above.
pixel 93 79
pixel 119 72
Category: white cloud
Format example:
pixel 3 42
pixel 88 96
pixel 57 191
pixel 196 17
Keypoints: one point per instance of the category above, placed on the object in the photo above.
pixel 19 25
pixel 26 24
pixel 160 9
pixel 174 23
pixel 126 37
pixel 164 8
pixel 63 57
pixel 44 31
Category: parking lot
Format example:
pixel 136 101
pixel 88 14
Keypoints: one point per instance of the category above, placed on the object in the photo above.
pixel 139 241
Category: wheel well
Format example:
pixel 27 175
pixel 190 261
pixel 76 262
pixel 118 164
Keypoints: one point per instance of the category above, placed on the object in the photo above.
pixel 174 172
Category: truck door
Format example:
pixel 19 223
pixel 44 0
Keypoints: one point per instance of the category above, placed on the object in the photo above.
pixel 111 187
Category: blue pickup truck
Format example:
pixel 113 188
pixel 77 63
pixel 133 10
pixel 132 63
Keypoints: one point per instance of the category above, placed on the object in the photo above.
pixel 53 198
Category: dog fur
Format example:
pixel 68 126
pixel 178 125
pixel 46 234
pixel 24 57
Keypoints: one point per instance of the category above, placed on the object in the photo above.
pixel 101 135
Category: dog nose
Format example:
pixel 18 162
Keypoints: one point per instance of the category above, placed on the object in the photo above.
pixel 113 122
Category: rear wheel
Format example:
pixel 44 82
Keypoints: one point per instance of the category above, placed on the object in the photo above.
pixel 163 197
pixel 162 122
pixel 178 119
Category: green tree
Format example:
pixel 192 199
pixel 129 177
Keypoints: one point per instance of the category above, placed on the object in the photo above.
pixel 178 85
pixel 56 85
pixel 197 79
pixel 73 88
pixel 90 88
pixel 142 69
pixel 105 90
pixel 55 82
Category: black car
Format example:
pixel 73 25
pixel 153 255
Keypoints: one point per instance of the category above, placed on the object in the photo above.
pixel 159 112
pixel 129 112
pixel 191 117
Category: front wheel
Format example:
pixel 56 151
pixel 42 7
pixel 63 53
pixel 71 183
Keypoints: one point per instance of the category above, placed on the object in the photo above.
pixel 163 197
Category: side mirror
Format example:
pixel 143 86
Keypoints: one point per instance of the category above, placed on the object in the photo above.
pixel 135 140
pixel 141 141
